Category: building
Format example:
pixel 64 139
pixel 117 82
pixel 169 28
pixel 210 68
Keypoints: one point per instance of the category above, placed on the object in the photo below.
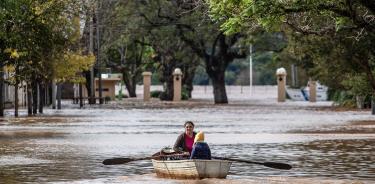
pixel 109 81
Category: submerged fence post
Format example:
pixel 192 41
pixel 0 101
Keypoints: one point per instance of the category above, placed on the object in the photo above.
pixel 177 82
pixel 146 86
pixel 281 84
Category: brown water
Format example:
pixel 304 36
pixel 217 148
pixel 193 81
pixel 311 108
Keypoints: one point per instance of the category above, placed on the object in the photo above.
pixel 69 145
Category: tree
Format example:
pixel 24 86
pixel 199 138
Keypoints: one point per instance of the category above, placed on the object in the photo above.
pixel 134 44
pixel 202 35
pixel 348 26
pixel 125 46
pixel 41 32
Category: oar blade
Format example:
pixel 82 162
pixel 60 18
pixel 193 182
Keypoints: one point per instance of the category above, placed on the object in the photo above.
pixel 277 165
pixel 116 161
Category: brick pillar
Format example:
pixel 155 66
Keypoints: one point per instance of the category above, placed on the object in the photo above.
pixel 146 86
pixel 312 91
pixel 177 83
pixel 281 84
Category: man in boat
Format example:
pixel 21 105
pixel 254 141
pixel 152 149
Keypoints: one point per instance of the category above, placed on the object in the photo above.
pixel 201 150
pixel 185 141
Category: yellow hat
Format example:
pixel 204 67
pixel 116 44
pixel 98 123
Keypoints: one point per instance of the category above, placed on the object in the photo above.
pixel 199 136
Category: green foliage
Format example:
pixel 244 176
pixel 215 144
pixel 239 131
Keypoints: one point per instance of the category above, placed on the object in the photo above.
pixel 344 99
pixel 41 32
pixel 121 96
pixel 329 39
pixel 184 94
pixel 358 85
pixel 156 93
pixel 238 15
pixel 69 67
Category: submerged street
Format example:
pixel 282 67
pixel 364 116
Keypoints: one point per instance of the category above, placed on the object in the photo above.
pixel 68 146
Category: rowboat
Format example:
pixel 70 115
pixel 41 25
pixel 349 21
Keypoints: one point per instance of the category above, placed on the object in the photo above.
pixel 191 169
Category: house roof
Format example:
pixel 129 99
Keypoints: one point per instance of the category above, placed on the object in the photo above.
pixel 108 79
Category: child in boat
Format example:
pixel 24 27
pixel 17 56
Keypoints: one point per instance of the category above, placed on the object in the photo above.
pixel 201 150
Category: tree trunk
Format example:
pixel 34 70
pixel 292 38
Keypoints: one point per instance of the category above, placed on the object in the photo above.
pixel 130 86
pixel 47 100
pixel 100 87
pixel 373 104
pixel 167 95
pixel 16 99
pixel 87 84
pixel 215 68
pixel 53 94
pixel 187 80
pixel 80 96
pixel 2 92
pixel 58 96
pixel 41 97
pixel 35 96
pixel 218 83
pixel 29 100
pixel 167 78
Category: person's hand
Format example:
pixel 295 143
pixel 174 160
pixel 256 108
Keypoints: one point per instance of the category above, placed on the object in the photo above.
pixel 186 153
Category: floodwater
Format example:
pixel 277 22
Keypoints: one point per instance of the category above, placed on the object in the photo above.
pixel 68 146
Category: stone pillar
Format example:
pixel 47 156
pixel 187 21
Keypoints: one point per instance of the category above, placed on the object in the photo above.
pixel 312 91
pixel 146 85
pixel 281 84
pixel 177 81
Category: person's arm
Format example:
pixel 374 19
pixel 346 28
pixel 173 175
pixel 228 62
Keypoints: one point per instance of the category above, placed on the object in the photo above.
pixel 178 145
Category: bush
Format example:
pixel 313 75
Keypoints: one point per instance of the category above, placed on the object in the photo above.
pixel 357 85
pixel 344 99
pixel 184 94
pixel 163 96
pixel 155 94
pixel 107 98
pixel 121 96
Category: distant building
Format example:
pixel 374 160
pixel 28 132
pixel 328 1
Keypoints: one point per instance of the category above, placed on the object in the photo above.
pixel 108 87
pixel 109 81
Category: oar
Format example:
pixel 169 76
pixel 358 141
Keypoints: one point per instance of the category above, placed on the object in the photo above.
pixel 123 160
pixel 267 164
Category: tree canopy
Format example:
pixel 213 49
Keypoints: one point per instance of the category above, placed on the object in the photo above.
pixel 332 40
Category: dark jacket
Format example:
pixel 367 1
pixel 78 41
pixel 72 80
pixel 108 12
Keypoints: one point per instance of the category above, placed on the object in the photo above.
pixel 180 145
pixel 201 150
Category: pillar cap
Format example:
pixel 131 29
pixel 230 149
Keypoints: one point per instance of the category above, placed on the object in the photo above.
pixel 177 71
pixel 146 73
pixel 281 71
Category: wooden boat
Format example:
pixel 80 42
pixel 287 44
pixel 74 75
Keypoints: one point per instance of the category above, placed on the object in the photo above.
pixel 191 169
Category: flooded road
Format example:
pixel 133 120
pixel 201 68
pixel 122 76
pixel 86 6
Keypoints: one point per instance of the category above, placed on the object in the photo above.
pixel 68 146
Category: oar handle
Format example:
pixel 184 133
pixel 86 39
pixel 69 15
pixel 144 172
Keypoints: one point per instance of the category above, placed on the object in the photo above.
pixel 267 164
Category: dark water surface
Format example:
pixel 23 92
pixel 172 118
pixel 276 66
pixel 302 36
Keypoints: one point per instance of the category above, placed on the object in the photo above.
pixel 69 145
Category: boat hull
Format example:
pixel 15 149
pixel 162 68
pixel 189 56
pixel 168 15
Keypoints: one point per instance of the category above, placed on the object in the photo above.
pixel 191 169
